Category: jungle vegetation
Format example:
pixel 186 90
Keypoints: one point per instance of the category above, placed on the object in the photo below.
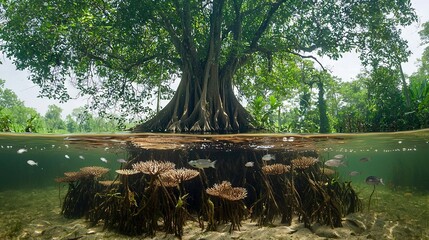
pixel 16 117
pixel 124 54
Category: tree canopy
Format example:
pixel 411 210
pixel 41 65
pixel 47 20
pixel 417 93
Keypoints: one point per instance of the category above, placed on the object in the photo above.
pixel 124 52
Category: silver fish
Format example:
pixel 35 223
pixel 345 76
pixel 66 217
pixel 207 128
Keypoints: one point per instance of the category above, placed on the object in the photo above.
pixel 32 163
pixel 121 160
pixel 81 157
pixel 249 164
pixel 335 163
pixel 268 157
pixel 22 150
pixel 339 156
pixel 67 156
pixel 202 163
pixel 373 180
pixel 354 173
pixel 103 159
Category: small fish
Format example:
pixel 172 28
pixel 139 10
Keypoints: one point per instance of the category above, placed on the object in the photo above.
pixel 373 180
pixel 21 151
pixel 65 145
pixel 268 157
pixel 364 159
pixel 81 157
pixel 32 163
pixel 106 148
pixel 339 156
pixel 335 163
pixel 121 160
pixel 249 164
pixel 202 163
pixel 67 156
pixel 103 159
pixel 354 173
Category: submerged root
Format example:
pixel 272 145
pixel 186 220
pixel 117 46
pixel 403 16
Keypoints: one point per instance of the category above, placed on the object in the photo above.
pixel 154 196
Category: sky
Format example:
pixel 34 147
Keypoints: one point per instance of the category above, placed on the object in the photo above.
pixel 345 68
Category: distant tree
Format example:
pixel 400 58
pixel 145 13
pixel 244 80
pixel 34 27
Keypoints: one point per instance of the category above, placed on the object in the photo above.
pixel 118 51
pixel 53 120
pixel 71 124
pixel 351 106
pixel 14 116
pixel 419 84
pixel 386 103
pixel 8 98
pixel 83 119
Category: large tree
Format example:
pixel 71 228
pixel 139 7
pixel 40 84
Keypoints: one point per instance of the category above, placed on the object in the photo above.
pixel 118 51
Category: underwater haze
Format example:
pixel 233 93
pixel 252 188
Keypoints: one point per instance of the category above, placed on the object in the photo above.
pixel 388 171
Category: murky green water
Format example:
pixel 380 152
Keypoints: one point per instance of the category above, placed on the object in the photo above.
pixel 30 200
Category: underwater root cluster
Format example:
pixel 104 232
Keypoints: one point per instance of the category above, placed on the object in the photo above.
pixel 83 186
pixel 228 206
pixel 151 196
pixel 139 199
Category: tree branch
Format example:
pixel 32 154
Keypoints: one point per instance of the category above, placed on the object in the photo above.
pixel 264 25
pixel 308 56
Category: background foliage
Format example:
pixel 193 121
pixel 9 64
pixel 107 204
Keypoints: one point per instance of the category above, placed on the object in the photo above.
pixel 284 92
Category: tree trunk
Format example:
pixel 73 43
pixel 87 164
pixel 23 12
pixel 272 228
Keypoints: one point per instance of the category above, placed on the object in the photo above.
pixel 204 100
pixel 323 116
pixel 405 89
pixel 201 106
